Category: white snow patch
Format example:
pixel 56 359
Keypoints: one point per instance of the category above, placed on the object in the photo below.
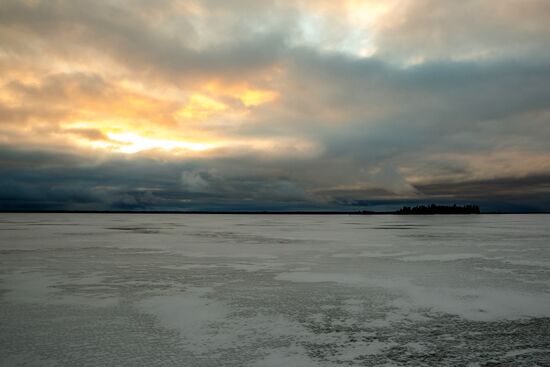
pixel 441 257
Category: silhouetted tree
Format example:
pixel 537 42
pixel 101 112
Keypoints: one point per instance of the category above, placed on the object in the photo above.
pixel 440 209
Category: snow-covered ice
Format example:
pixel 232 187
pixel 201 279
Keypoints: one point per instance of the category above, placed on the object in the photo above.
pixel 274 290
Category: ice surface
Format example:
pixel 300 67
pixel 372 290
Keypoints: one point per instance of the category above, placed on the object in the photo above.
pixel 218 290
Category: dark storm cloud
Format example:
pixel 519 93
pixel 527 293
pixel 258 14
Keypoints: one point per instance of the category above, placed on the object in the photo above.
pixel 45 180
pixel 494 188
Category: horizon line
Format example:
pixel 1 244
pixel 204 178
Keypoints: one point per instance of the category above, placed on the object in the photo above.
pixel 262 212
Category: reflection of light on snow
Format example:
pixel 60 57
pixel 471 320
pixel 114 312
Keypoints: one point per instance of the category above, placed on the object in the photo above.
pixel 132 143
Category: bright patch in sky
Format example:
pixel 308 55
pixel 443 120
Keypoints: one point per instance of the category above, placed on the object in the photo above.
pixel 133 143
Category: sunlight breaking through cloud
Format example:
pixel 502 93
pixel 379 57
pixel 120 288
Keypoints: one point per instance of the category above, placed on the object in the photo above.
pixel 133 143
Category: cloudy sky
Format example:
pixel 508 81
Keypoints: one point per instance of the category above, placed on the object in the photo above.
pixel 274 104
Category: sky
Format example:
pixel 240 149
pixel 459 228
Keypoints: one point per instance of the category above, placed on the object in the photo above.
pixel 274 105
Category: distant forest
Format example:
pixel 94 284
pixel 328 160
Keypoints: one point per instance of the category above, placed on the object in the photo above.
pixel 439 209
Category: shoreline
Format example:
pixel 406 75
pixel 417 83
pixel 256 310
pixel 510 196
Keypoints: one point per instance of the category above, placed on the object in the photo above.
pixel 244 212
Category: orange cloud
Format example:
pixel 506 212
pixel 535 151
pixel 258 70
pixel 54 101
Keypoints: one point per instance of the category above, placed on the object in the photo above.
pixel 110 114
pixel 200 107
pixel 248 95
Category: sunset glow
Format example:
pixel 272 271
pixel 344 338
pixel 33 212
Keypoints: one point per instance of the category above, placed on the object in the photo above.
pixel 132 143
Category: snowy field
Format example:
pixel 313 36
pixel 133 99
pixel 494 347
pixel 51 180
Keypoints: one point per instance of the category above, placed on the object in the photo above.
pixel 289 290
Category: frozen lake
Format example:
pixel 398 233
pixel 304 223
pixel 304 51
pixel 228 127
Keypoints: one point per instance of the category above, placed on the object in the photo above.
pixel 274 290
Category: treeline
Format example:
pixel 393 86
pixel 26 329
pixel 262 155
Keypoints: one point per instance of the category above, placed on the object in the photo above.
pixel 439 209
